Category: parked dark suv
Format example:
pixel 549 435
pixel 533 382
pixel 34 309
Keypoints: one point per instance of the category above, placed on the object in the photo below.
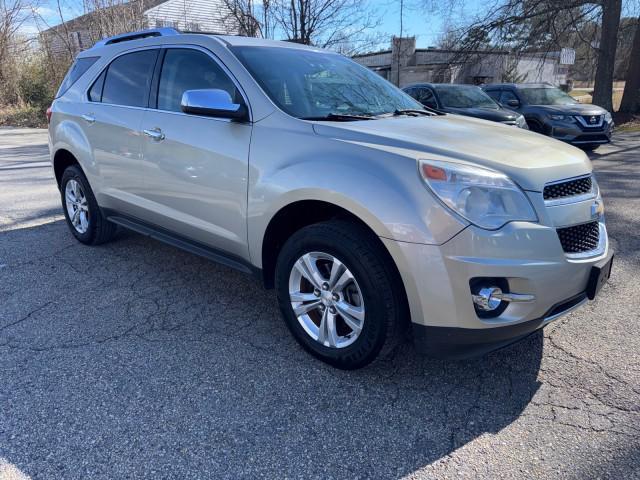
pixel 550 111
pixel 467 100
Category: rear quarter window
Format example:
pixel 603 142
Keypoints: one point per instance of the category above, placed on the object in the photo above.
pixel 79 67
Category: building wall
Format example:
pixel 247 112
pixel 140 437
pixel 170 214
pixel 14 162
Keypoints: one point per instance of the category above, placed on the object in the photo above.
pixel 446 66
pixel 193 15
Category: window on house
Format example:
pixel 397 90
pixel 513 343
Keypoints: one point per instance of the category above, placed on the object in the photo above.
pixel 128 79
pixel 185 69
pixel 193 27
pixel 160 23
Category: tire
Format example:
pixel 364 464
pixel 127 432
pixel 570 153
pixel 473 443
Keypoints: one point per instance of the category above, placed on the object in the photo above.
pixel 375 286
pixel 91 227
pixel 589 148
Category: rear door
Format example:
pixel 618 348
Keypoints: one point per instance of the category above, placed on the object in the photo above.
pixel 197 182
pixel 117 101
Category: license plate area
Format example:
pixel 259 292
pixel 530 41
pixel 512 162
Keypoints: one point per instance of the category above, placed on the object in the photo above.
pixel 598 277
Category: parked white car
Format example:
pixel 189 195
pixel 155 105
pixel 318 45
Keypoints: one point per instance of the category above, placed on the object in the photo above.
pixel 368 213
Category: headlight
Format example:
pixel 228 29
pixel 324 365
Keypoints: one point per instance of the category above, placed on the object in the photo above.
pixel 559 117
pixel 521 122
pixel 608 118
pixel 486 198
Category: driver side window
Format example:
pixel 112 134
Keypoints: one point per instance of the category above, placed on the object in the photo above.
pixel 186 69
pixel 506 96
pixel 426 97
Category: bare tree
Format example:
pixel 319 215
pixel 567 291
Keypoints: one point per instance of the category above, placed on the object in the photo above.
pixel 631 96
pixel 252 20
pixel 545 26
pixel 325 23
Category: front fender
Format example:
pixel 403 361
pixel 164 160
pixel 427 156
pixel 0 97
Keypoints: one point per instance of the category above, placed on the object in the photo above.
pixel 381 188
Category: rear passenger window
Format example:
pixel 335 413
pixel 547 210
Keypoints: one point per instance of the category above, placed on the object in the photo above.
pixel 128 79
pixel 186 69
pixel 78 68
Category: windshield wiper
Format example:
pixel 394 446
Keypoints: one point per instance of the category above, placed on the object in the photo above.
pixel 425 111
pixel 340 117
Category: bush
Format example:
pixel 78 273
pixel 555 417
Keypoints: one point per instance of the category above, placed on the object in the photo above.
pixel 26 116
pixel 34 86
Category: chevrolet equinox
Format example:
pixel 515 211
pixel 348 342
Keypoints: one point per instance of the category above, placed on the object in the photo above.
pixel 369 214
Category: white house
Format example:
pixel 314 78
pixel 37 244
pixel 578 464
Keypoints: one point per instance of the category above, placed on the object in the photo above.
pixel 212 16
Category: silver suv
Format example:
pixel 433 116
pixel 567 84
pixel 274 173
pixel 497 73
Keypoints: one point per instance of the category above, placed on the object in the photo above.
pixel 369 214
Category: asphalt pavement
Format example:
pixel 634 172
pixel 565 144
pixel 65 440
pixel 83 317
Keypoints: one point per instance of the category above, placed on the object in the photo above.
pixel 137 360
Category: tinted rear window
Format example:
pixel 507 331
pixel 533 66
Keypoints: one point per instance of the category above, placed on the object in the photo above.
pixel 78 68
pixel 129 78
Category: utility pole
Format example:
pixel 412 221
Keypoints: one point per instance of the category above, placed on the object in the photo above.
pixel 400 42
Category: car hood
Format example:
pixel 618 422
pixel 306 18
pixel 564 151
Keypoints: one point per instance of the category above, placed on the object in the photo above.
pixel 576 109
pixel 494 114
pixel 528 158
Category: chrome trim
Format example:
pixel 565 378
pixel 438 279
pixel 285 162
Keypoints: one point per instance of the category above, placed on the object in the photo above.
pixel 581 121
pixel 596 252
pixel 490 298
pixel 565 312
pixel 583 197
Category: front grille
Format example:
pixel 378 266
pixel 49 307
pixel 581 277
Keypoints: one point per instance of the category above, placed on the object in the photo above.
pixel 598 138
pixel 569 188
pixel 591 120
pixel 580 238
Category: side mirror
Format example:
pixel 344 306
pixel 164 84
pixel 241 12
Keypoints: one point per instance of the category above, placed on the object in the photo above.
pixel 212 103
pixel 513 103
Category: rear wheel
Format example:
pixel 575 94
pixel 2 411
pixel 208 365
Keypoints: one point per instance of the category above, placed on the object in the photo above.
pixel 339 296
pixel 84 218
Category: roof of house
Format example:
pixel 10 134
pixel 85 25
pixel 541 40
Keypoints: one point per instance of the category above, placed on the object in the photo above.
pixel 82 19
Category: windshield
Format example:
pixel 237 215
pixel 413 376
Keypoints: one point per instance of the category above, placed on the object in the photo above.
pixel 546 96
pixel 309 84
pixel 463 96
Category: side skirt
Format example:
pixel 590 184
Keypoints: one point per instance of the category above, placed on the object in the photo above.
pixel 182 243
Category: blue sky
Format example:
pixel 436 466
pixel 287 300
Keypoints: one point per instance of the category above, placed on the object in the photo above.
pixel 426 19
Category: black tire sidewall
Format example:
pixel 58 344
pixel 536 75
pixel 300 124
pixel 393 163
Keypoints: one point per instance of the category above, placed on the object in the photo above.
pixel 74 173
pixel 367 271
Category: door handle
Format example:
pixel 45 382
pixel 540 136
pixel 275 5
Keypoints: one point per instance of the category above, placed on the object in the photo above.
pixel 89 118
pixel 156 134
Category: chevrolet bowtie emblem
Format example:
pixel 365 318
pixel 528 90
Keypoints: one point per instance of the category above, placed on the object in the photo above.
pixel 597 209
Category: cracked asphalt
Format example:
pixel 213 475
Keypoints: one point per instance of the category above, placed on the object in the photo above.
pixel 137 360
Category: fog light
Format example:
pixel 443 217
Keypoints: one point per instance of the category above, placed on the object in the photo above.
pixel 490 298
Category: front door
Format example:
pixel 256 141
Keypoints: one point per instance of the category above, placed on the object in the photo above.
pixel 197 181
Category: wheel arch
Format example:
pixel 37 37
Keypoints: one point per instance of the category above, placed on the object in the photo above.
pixel 62 159
pixel 298 214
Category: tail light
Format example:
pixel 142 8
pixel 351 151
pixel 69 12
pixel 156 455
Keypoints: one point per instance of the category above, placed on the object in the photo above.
pixel 49 115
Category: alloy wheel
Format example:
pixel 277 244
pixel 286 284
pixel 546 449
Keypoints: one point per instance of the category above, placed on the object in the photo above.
pixel 326 300
pixel 77 206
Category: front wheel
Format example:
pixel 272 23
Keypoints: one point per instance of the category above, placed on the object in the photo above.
pixel 339 296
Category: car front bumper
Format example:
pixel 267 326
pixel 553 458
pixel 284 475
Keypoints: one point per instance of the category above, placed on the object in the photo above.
pixel 576 135
pixel 528 256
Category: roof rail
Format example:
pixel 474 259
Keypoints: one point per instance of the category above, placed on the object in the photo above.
pixel 125 37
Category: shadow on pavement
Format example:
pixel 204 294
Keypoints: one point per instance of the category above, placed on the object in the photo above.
pixel 136 359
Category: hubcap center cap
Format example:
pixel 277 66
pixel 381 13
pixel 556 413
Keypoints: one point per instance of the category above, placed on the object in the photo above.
pixel 327 297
